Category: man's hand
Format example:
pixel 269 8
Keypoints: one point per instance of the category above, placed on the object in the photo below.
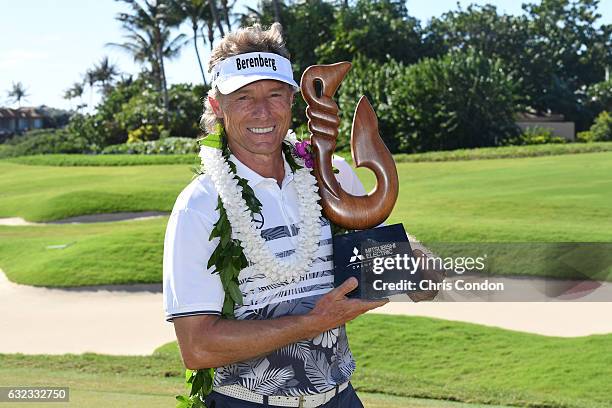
pixel 209 341
pixel 428 274
pixel 334 308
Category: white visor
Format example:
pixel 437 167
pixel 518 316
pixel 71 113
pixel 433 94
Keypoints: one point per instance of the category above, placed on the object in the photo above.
pixel 235 72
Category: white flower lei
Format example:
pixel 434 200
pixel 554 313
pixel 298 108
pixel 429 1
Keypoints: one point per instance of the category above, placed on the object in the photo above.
pixel 240 219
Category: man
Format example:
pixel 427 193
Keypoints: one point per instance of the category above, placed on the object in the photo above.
pixel 288 345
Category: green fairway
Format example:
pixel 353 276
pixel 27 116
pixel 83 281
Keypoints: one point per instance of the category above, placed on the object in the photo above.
pixel 44 193
pixel 478 153
pixel 100 253
pixel 107 390
pixel 398 358
pixel 543 199
pixel 547 199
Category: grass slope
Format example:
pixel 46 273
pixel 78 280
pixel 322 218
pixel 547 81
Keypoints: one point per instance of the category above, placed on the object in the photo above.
pixel 505 152
pixel 446 155
pixel 553 198
pixel 71 160
pixel 543 199
pixel 101 253
pixel 46 193
pixel 396 356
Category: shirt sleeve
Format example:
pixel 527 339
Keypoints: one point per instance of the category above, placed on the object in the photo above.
pixel 189 287
pixel 349 180
pixel 347 177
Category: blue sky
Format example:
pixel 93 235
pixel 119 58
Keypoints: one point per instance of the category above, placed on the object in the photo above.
pixel 49 44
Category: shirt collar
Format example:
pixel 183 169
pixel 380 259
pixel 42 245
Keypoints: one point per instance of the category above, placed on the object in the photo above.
pixel 253 178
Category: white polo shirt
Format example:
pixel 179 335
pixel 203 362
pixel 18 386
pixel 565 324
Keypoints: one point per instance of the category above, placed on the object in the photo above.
pixel 190 288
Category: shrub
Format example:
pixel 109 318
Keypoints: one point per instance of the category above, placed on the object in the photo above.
pixel 132 110
pixel 46 141
pixel 600 96
pixel 376 81
pixel 585 137
pixel 602 128
pixel 169 145
pixel 536 135
pixel 145 132
pixel 6 150
pixel 460 100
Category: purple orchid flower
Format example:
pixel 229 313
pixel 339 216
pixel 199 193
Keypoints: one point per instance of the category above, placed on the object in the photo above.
pixel 304 151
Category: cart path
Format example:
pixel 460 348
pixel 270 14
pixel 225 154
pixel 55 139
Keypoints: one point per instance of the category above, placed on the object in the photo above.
pixel 129 320
pixel 86 219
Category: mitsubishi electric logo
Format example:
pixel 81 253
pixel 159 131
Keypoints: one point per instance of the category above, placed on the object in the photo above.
pixel 356 255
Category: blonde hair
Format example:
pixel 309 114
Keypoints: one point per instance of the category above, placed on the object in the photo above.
pixel 241 41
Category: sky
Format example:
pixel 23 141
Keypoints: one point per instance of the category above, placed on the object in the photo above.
pixel 49 44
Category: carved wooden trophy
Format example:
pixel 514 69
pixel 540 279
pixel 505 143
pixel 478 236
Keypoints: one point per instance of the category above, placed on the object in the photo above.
pixel 358 253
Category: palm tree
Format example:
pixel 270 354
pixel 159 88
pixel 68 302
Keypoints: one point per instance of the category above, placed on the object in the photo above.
pixel 105 72
pixel 195 11
pixel 149 39
pixel 90 79
pixel 226 13
pixel 215 16
pixel 75 91
pixel 277 14
pixel 211 33
pixel 17 93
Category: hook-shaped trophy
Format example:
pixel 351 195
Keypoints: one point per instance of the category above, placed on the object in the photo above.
pixel 356 253
pixel 367 148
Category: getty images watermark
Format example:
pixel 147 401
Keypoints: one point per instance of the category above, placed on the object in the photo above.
pixel 483 271
pixel 404 264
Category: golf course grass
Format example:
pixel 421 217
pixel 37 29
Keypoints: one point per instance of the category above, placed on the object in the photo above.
pixel 565 198
pixel 402 361
pixel 478 153
pixel 46 193
pixel 397 356
pixel 59 255
pixel 111 390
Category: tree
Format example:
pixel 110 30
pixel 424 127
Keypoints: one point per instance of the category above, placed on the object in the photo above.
pixel 17 93
pixel 194 11
pixel 568 53
pixel 460 100
pixel 226 14
pixel 375 29
pixel 105 72
pixel 75 91
pixel 555 48
pixel 481 28
pixel 306 24
pixel 214 12
pixel 148 31
pixel 277 11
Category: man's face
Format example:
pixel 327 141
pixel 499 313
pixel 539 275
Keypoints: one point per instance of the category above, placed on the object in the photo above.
pixel 256 116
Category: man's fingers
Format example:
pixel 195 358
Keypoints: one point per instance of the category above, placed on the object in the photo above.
pixel 348 285
pixel 373 304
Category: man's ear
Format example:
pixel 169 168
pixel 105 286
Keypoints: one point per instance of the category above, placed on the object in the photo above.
pixel 216 107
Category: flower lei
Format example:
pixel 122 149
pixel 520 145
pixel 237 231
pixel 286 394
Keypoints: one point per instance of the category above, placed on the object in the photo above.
pixel 240 219
pixel 240 243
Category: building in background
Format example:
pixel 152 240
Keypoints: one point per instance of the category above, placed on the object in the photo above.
pixel 555 122
pixel 20 120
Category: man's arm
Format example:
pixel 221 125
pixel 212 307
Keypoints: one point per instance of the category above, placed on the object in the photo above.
pixel 210 341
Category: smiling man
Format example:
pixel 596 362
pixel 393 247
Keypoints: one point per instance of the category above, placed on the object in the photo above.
pixel 288 345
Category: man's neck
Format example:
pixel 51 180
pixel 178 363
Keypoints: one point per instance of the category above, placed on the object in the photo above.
pixel 266 165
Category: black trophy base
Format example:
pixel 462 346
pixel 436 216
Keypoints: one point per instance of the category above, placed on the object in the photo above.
pixel 381 260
